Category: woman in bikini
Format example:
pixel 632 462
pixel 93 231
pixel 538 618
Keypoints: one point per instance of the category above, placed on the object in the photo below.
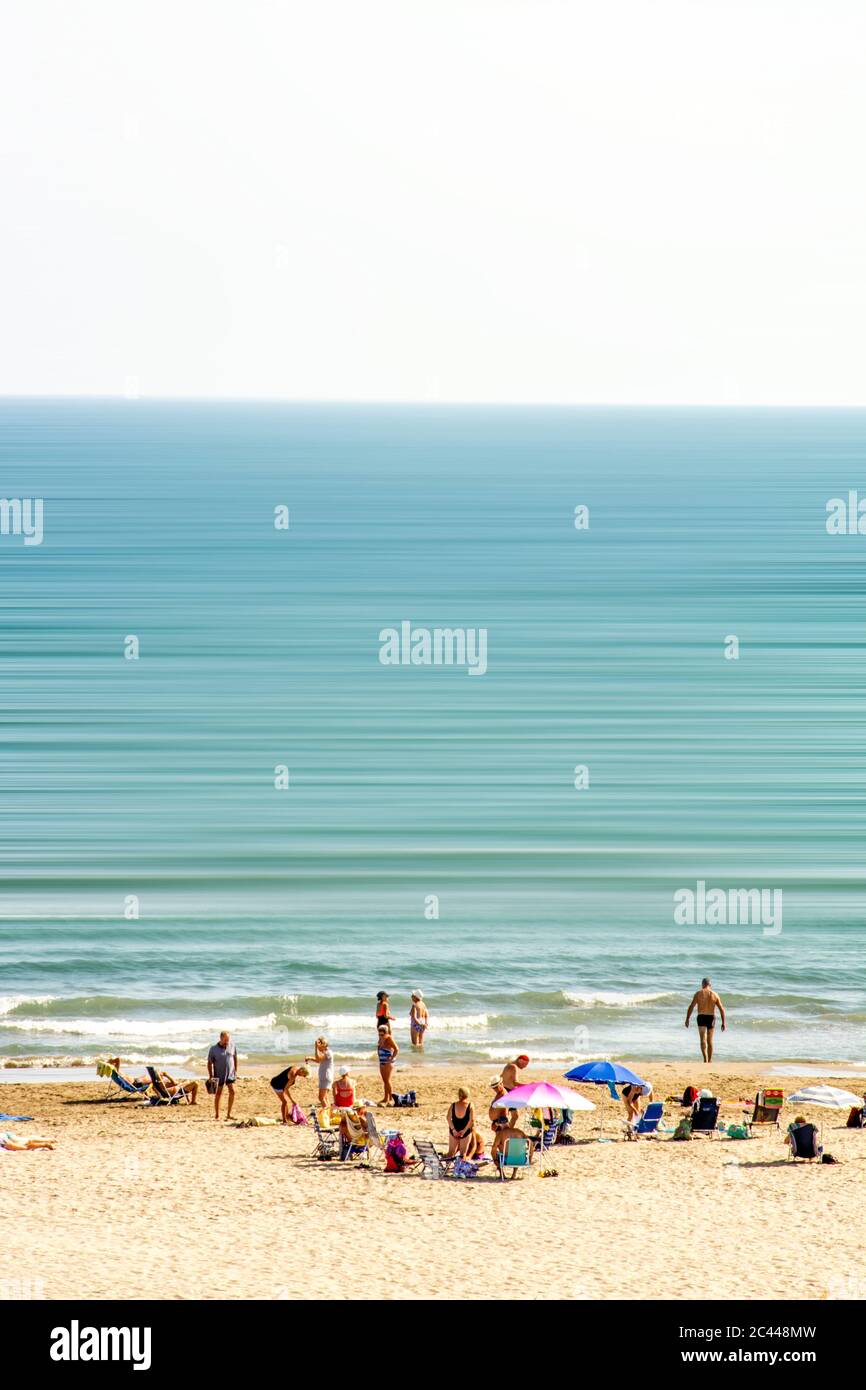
pixel 418 1019
pixel 461 1124
pixel 386 1050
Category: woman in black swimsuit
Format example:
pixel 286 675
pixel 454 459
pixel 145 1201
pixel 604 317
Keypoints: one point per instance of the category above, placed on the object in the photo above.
pixel 461 1123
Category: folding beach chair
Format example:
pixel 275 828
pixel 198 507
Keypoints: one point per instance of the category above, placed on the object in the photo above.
pixel 705 1115
pixel 768 1108
pixel 358 1141
pixel 804 1143
pixel 161 1096
pixel 650 1119
pixel 113 1080
pixel 376 1142
pixel 327 1139
pixel 435 1166
pixel 516 1154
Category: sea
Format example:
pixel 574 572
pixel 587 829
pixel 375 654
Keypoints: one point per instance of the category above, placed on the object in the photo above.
pixel 221 808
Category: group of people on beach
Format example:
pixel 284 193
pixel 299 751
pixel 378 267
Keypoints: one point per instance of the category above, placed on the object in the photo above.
pixel 464 1138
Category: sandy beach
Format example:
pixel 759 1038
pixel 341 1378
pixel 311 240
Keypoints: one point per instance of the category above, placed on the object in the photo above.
pixel 139 1202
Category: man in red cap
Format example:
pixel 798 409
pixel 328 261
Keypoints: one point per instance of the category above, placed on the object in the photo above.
pixel 510 1079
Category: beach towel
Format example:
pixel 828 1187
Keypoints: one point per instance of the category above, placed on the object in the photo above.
pixel 15 1117
pixel 255 1122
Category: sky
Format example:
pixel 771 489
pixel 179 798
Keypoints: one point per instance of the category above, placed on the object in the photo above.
pixel 640 201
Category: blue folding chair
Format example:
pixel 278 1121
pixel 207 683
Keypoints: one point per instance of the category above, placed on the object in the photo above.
pixel 650 1119
pixel 113 1078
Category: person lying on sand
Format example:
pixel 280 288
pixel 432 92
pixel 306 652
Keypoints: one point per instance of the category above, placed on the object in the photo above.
pixel 16 1145
pixel 283 1084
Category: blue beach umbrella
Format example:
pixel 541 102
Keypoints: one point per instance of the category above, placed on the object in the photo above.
pixel 604 1073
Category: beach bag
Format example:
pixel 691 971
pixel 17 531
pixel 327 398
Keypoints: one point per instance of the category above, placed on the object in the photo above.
pixel 690 1095
pixel 298 1116
pixel 407 1101
pixel 683 1130
pixel 211 1085
pixel 855 1118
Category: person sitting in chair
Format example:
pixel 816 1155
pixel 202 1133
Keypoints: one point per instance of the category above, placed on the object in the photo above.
pixel 172 1087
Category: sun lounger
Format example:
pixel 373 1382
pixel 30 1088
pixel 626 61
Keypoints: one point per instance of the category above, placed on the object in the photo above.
pixel 804 1143
pixel 514 1155
pixel 768 1108
pixel 162 1096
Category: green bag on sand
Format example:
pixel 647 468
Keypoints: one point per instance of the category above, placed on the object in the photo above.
pixel 683 1130
pixel 738 1132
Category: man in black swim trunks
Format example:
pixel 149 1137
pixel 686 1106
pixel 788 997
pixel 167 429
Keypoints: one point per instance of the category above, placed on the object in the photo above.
pixel 706 1001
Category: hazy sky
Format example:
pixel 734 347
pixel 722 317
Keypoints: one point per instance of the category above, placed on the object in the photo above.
pixel 620 200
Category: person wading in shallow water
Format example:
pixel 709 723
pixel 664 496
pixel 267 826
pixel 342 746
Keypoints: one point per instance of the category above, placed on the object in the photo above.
pixel 706 1001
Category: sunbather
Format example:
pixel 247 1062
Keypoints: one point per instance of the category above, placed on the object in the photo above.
pixel 461 1124
pixel 16 1145
pixel 795 1124
pixel 353 1131
pixel 172 1087
pixel 140 1083
pixel 502 1138
pixel 344 1091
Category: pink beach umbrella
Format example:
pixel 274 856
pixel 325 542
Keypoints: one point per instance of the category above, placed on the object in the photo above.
pixel 543 1095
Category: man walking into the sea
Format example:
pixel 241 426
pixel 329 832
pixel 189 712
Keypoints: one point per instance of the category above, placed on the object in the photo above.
pixel 222 1067
pixel 706 1001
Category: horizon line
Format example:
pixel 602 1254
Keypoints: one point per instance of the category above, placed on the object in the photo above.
pixel 426 402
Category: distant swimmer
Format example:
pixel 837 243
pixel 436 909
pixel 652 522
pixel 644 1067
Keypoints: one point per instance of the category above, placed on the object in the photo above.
pixel 706 1001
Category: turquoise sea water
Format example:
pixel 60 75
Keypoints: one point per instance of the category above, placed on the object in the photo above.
pixel 279 913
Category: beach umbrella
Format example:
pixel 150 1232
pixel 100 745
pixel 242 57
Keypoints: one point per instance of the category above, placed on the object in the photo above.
pixel 603 1073
pixel 543 1095
pixel 830 1097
